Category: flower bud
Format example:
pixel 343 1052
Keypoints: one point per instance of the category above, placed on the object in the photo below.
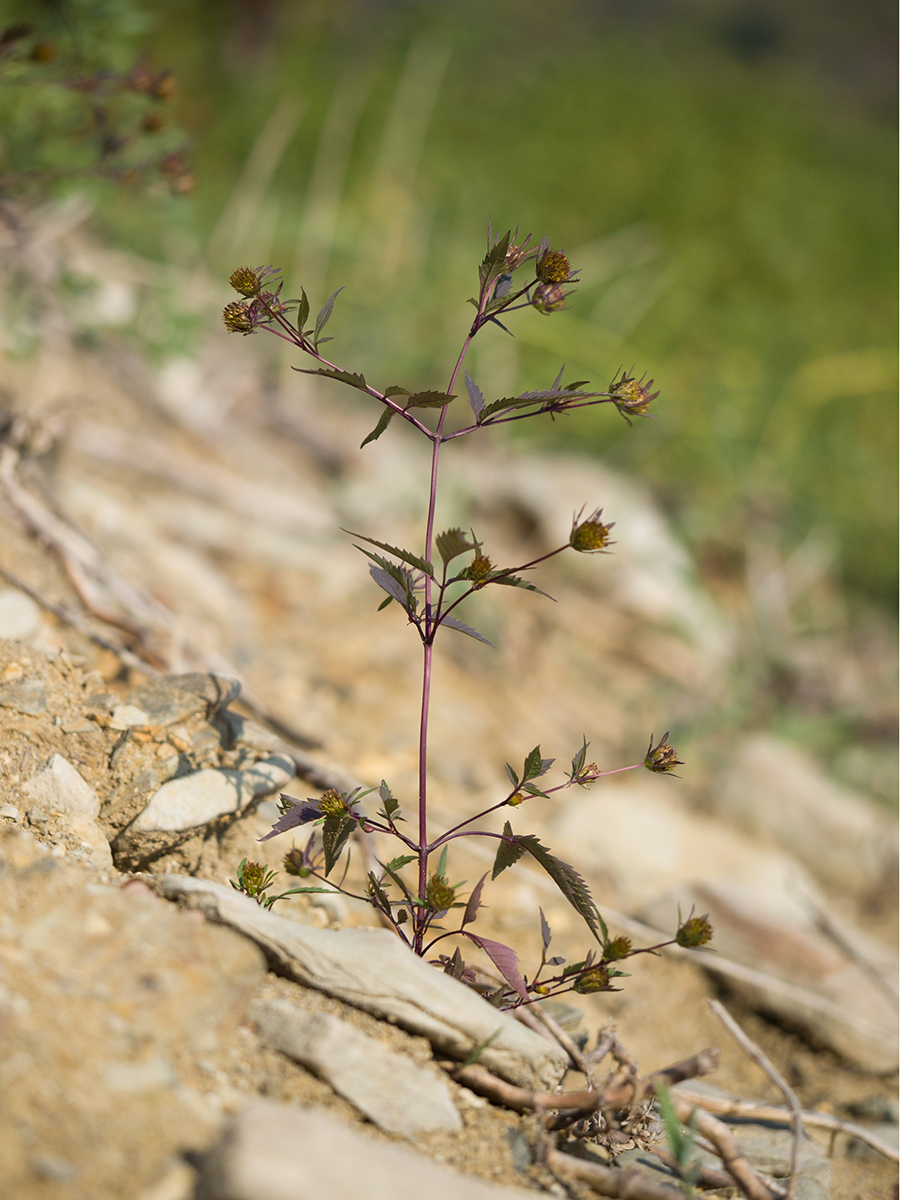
pixel 594 980
pixel 332 803
pixel 553 267
pixel 587 537
pixel 293 863
pixel 517 799
pixel 548 297
pixel 632 397
pixel 694 932
pixel 246 281
pixel 617 948
pixel 662 758
pixel 237 318
pixel 439 895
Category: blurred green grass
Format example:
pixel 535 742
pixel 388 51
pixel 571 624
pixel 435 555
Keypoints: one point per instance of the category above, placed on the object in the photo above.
pixel 730 216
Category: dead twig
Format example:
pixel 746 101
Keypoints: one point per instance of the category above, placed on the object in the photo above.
pixel 765 1064
pixel 767 1112
pixel 726 1147
pixel 706 1176
pixel 627 1184
pixel 576 1058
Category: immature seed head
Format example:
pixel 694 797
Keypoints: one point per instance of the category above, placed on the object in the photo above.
pixel 293 863
pixel 632 397
pixel 548 297
pixel 332 803
pixel 255 878
pixel 246 281
pixel 553 267
pixel 662 758
pixel 481 566
pixel 594 980
pixel 237 317
pixel 590 536
pixel 439 895
pixel 694 932
pixel 617 948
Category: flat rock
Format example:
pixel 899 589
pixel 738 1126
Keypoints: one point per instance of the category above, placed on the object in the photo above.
pixel 169 699
pixel 193 800
pixel 272 1152
pixel 20 617
pixel 128 716
pixel 29 696
pixel 397 1094
pixel 60 789
pixel 371 969
pixel 775 788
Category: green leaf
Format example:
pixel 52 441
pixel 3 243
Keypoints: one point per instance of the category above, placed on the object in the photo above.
pixel 405 555
pixel 451 543
pixel 567 879
pixel 442 863
pixel 379 894
pixel 508 852
pixel 513 777
pixel 428 400
pixel 303 310
pixel 349 377
pixel 385 602
pixel 393 867
pixel 530 398
pixel 396 390
pixel 515 581
pixel 335 831
pixel 462 627
pixel 325 313
pixel 579 759
pixel 403 860
pixel 383 421
pixel 533 764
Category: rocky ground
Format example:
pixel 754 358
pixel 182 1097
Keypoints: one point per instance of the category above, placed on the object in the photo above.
pixel 185 632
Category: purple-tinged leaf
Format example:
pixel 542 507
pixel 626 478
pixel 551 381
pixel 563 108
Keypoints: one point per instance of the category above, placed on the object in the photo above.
pixel 462 627
pixel 546 933
pixel 301 812
pixel 474 902
pixel 389 584
pixel 476 398
pixel 556 962
pixel 567 879
pixel 349 377
pixel 508 852
pixel 504 959
pixel 512 776
pixel 428 400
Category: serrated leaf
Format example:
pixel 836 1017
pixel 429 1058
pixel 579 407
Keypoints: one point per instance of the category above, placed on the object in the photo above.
pixel 533 764
pixel 579 759
pixel 476 399
pixel 508 851
pixel 512 776
pixel 442 863
pixel 546 932
pixel 402 860
pixel 350 377
pixel 396 390
pixel 474 902
pixel 504 959
pixel 301 812
pixel 393 867
pixel 335 832
pixel 390 585
pixel 379 893
pixel 406 556
pixel 383 421
pixel 451 543
pixel 325 313
pixel 303 310
pixel 567 879
pixel 530 398
pixel 515 581
pixel 428 400
pixel 462 627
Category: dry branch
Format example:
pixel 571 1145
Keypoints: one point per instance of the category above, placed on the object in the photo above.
pixel 627 1184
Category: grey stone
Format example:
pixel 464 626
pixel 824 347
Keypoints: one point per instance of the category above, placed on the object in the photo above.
pixel 373 970
pixel 273 1152
pixel 60 790
pixel 193 800
pixel 173 698
pixel 20 617
pixel 29 696
pixel 128 716
pixel 394 1092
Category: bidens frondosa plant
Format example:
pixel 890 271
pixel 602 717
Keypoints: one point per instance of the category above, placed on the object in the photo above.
pixel 430 584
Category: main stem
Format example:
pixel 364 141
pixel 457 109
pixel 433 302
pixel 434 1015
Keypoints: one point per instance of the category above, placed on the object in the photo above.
pixel 420 916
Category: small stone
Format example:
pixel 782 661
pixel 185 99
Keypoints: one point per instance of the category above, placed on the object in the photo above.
pixel 10 812
pixel 28 697
pixel 59 788
pixel 137 1078
pixel 127 716
pixel 78 726
pixel 37 816
pixel 195 799
pixel 398 1095
pixel 20 617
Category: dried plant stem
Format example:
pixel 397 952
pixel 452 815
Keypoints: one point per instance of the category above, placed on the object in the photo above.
pixel 628 1184
pixel 754 1052
pixel 726 1147
pixel 706 1177
pixel 767 1112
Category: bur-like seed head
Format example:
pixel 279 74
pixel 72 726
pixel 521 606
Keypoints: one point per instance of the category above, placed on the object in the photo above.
pixel 255 878
pixel 517 253
pixel 632 397
pixel 481 566
pixel 237 317
pixel 548 297
pixel 590 536
pixel 694 932
pixel 553 267
pixel 293 863
pixel 332 803
pixel 246 281
pixel 662 758
pixel 594 980
pixel 617 948
pixel 439 895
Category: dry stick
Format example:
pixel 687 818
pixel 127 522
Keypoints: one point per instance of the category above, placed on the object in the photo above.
pixel 706 1177
pixel 753 1052
pixel 577 1059
pixel 766 1112
pixel 726 1148
pixel 628 1184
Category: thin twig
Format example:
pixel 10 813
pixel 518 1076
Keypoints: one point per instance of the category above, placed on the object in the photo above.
pixel 727 1149
pixel 765 1064
pixel 767 1112
pixel 706 1176
pixel 576 1057
pixel 629 1183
